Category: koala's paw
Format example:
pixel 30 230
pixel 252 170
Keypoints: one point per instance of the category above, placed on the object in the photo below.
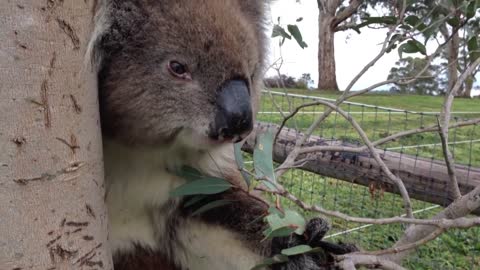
pixel 315 230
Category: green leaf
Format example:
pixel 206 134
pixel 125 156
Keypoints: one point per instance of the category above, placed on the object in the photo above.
pixel 237 150
pixel 471 9
pixel 271 261
pixel 206 186
pixel 415 22
pixel 193 200
pixel 300 249
pixel 210 206
pixel 274 210
pixel 412 46
pixel 262 157
pixel 412 20
pixel 473 48
pixel 190 174
pixel 279 232
pixel 279 31
pixel 454 22
pixel 290 219
pixel 295 32
pixel 382 20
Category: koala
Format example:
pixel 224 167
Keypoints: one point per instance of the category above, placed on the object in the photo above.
pixel 178 84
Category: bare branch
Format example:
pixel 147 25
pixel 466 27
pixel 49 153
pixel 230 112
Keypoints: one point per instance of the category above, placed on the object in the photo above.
pixel 346 13
pixel 413 245
pixel 446 115
pixel 360 259
pixel 395 179
pixel 444 223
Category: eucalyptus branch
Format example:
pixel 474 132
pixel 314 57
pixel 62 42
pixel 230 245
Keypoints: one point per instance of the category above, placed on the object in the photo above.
pixel 300 141
pixel 443 223
pixel 445 118
pixel 346 261
pixel 395 179
pixel 423 241
pixel 346 13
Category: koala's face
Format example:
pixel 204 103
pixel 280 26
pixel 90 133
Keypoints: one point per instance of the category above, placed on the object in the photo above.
pixel 181 70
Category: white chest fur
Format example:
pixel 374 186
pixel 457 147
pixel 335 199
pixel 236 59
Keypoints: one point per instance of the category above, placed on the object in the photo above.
pixel 136 181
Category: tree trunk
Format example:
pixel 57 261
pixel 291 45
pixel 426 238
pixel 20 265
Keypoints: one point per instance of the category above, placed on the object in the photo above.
pixel 51 173
pixel 327 78
pixel 468 85
pixel 452 57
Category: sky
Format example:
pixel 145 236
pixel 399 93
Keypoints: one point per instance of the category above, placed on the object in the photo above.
pixel 352 51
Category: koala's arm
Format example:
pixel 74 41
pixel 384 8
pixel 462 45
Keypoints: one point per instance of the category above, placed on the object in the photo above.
pixel 245 216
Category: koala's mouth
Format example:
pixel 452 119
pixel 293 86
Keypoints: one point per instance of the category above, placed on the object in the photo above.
pixel 222 136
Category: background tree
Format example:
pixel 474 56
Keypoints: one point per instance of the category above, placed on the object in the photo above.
pixel 431 82
pixel 51 175
pixel 335 16
pixel 454 22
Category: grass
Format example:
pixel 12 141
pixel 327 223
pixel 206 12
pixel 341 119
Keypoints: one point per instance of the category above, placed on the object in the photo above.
pixel 379 123
pixel 400 101
pixel 456 249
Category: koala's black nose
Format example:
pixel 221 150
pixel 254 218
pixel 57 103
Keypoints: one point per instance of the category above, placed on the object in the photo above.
pixel 233 119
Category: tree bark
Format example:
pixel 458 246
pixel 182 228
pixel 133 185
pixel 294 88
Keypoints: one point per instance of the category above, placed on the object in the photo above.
pixel 51 173
pixel 327 77
pixel 452 57
pixel 459 208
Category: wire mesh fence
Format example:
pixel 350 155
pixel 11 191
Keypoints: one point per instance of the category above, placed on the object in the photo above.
pixel 457 249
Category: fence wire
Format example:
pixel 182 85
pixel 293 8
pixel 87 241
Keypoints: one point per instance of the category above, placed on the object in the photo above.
pixel 457 249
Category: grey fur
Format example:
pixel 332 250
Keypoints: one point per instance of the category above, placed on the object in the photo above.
pixel 154 123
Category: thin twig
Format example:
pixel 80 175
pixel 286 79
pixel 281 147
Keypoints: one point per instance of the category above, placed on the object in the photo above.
pixel 462 222
pixel 395 179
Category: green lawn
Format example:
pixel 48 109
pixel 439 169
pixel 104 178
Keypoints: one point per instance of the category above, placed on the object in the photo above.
pixel 453 250
pixel 380 122
pixel 406 102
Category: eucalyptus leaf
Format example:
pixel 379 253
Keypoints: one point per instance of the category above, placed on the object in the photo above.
pixel 454 21
pixel 381 20
pixel 412 46
pixel 206 186
pixel 240 162
pixel 279 31
pixel 274 210
pixel 210 206
pixel 193 200
pixel 189 174
pixel 296 250
pixel 412 20
pixel 271 261
pixel 262 157
pixel 295 32
pixel 290 219
pixel 279 232
pixel 471 9
pixel 473 48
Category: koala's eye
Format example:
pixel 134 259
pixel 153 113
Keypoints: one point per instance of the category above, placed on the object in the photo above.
pixel 178 70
